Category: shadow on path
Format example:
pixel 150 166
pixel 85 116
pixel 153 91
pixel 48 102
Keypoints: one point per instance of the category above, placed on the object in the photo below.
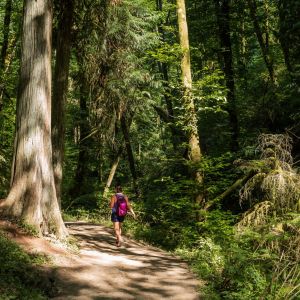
pixel 134 271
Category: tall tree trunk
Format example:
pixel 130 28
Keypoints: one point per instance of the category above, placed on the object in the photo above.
pixel 32 197
pixel 6 24
pixel 60 90
pixel 82 169
pixel 163 68
pixel 223 18
pixel 4 48
pixel 283 7
pixel 240 44
pixel 188 102
pixel 264 49
pixel 130 156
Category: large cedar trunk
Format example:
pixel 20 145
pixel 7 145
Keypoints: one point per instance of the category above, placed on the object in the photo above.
pixel 32 197
pixel 60 90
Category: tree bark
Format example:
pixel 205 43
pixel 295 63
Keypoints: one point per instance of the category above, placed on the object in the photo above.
pixel 82 169
pixel 188 102
pixel 229 191
pixel 262 44
pixel 4 48
pixel 223 19
pixel 163 69
pixel 113 170
pixel 285 42
pixel 32 196
pixel 6 24
pixel 60 90
pixel 130 156
pixel 190 113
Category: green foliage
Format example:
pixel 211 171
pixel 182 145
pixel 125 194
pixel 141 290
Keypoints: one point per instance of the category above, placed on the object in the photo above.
pixel 166 53
pixel 27 228
pixel 227 263
pixel 117 47
pixel 18 273
pixel 169 207
pixel 219 173
pixel 82 214
pixel 206 258
pixel 274 189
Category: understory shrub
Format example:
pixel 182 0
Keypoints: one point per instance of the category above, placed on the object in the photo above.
pixel 19 273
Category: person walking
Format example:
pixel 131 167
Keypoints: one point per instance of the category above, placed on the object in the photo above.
pixel 119 205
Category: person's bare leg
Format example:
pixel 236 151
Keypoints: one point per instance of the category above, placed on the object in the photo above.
pixel 117 232
pixel 120 227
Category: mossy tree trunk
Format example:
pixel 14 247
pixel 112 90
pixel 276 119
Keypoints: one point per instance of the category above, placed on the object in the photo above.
pixel 32 197
pixel 188 102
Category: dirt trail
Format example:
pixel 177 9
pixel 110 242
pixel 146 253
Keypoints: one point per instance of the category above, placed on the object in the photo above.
pixel 103 271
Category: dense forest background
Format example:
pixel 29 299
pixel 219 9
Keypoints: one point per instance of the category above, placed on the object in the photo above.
pixel 210 162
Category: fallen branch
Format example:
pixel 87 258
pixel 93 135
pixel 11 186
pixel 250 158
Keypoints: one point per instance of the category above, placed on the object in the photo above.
pixel 229 191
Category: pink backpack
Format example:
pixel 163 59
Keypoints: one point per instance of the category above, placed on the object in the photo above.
pixel 121 205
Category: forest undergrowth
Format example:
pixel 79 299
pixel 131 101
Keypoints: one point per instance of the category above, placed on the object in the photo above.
pixel 21 274
pixel 245 250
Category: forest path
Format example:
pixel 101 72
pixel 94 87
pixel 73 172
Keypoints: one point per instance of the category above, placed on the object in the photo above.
pixel 134 271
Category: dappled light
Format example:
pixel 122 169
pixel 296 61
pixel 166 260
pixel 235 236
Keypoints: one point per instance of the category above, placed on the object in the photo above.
pixel 103 271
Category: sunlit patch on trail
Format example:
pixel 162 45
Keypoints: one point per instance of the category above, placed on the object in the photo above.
pixel 108 260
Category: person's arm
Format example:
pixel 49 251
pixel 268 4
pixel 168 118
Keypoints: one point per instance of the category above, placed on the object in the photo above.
pixel 130 207
pixel 112 201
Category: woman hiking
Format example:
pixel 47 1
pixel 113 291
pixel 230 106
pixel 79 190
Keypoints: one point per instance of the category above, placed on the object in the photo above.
pixel 119 205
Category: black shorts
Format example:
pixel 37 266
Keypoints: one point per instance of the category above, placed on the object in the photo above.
pixel 116 218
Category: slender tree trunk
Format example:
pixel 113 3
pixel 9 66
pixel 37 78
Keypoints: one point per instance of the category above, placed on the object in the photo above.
pixel 4 48
pixel 130 156
pixel 223 18
pixel 82 169
pixel 60 90
pixel 169 112
pixel 163 68
pixel 32 197
pixel 188 102
pixel 264 49
pixel 283 35
pixel 241 43
pixel 113 170
pixel 6 24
